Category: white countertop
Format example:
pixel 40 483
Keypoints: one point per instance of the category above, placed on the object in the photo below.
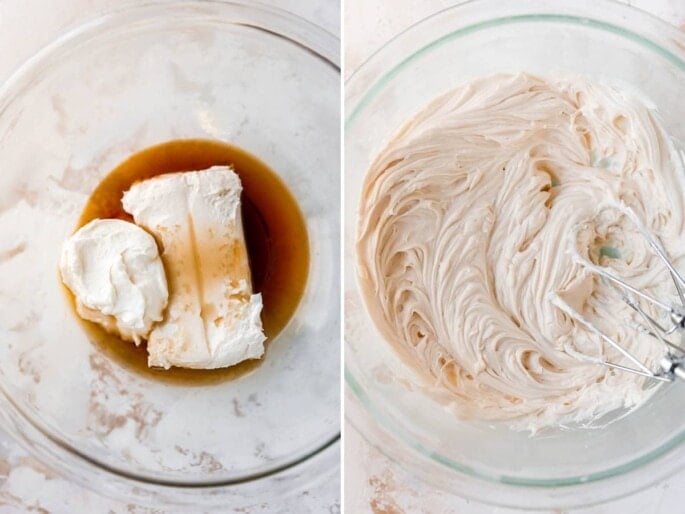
pixel 373 484
pixel 25 484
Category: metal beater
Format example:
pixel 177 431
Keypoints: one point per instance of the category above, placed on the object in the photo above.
pixel 672 365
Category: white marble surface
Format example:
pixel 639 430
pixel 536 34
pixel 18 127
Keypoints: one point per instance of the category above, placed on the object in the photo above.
pixel 25 484
pixel 372 483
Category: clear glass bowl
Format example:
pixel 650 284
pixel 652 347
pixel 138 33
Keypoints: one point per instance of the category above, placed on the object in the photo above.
pixel 255 77
pixel 491 463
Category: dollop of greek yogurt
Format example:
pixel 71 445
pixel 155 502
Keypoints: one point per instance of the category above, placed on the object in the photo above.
pixel 114 270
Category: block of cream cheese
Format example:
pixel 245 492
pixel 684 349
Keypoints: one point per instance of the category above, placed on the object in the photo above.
pixel 115 272
pixel 213 319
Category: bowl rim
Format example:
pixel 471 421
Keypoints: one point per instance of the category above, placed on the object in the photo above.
pixel 370 78
pixel 309 36
pixel 70 462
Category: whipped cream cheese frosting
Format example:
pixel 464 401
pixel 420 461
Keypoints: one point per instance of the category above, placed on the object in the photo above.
pixel 480 210
pixel 114 270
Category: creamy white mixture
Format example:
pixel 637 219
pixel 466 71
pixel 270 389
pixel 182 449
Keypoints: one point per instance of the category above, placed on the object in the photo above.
pixel 114 270
pixel 213 319
pixel 469 223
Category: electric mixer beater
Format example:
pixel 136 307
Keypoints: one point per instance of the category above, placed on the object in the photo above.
pixel 672 364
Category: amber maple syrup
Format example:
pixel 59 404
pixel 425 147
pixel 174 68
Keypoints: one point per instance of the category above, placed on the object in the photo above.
pixel 275 234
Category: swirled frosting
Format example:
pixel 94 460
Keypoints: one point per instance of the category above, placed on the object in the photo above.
pixel 477 212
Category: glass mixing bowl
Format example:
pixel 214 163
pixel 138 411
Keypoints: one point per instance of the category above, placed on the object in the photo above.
pixel 256 77
pixel 561 468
